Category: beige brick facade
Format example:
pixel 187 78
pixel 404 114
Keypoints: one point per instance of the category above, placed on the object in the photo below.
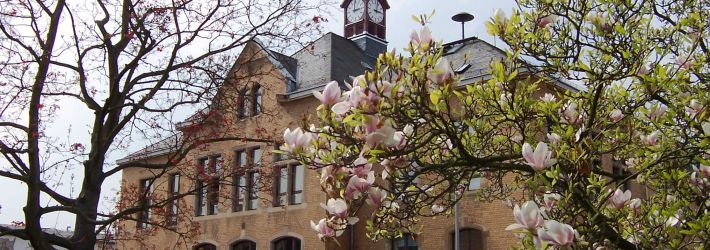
pixel 267 223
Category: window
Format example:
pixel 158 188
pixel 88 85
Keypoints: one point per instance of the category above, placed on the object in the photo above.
pixel 406 242
pixel 146 191
pixel 204 246
pixel 257 93
pixel 288 185
pixel 208 174
pixel 469 239
pixel 474 183
pixel 173 192
pixel 286 243
pixel 243 103
pixel 246 180
pixel 244 245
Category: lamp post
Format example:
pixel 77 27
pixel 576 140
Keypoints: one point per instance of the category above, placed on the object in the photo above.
pixel 462 18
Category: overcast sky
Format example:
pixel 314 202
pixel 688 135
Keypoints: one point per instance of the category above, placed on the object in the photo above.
pixel 399 25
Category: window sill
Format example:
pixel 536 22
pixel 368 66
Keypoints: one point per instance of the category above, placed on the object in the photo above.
pixel 251 212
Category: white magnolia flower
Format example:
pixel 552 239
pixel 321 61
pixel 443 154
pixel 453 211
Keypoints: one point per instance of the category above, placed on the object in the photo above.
pixel 527 217
pixel 295 140
pixel 336 207
pixel 548 97
pixel 539 159
pixel 554 138
pixel 619 199
pixel 616 115
pixel 330 94
pixel 557 233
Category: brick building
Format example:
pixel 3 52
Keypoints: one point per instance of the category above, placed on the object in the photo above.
pixel 273 92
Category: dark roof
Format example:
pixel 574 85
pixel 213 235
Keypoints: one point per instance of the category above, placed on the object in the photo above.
pixel 162 147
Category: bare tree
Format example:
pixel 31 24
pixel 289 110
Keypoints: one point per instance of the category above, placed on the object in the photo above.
pixel 132 65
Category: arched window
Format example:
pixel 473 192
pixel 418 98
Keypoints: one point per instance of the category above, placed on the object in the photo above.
pixel 406 242
pixel 244 245
pixel 470 239
pixel 204 246
pixel 243 103
pixel 286 243
pixel 257 92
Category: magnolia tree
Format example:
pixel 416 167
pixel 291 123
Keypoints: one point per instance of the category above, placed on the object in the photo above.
pixel 126 70
pixel 404 139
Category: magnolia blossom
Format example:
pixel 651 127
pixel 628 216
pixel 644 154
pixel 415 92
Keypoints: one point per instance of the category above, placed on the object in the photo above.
pixel 295 140
pixel 658 112
pixel 684 62
pixel 386 135
pixel 375 196
pixel 361 167
pixel 551 199
pixel 527 217
pixel 548 97
pixel 540 158
pixel 694 108
pixel 421 40
pixel 634 204
pixel 547 20
pixel 499 15
pixel 324 230
pixel 355 97
pixel 642 70
pixel 616 115
pixel 701 176
pixel 619 199
pixel 554 138
pixel 570 113
pixel 651 139
pixel 600 21
pixel 442 72
pixel 330 94
pixel 706 128
pixel 357 185
pixel 336 207
pixel 557 233
pixel 436 209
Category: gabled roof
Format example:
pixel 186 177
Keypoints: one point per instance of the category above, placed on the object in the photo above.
pixel 159 148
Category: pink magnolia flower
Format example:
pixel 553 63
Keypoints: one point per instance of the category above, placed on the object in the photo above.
pixel 642 70
pixel 658 112
pixel 684 62
pixel 421 40
pixel 296 140
pixel 362 168
pixel 336 207
pixel 355 97
pixel 540 158
pixel 527 217
pixel 330 94
pixel 324 230
pixel 557 233
pixel 570 114
pixel 619 199
pixel 499 15
pixel 547 20
pixel 437 209
pixel 650 140
pixel 548 97
pixel 551 199
pixel 375 196
pixel 554 138
pixel 616 115
pixel 694 108
pixel 442 72
pixel 634 204
pixel 386 135
pixel 356 185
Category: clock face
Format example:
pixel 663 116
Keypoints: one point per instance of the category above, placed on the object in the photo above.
pixel 356 9
pixel 375 11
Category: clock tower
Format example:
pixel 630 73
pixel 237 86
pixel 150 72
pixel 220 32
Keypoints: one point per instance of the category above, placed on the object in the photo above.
pixel 365 24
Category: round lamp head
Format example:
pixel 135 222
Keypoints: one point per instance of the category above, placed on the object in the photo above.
pixel 462 17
